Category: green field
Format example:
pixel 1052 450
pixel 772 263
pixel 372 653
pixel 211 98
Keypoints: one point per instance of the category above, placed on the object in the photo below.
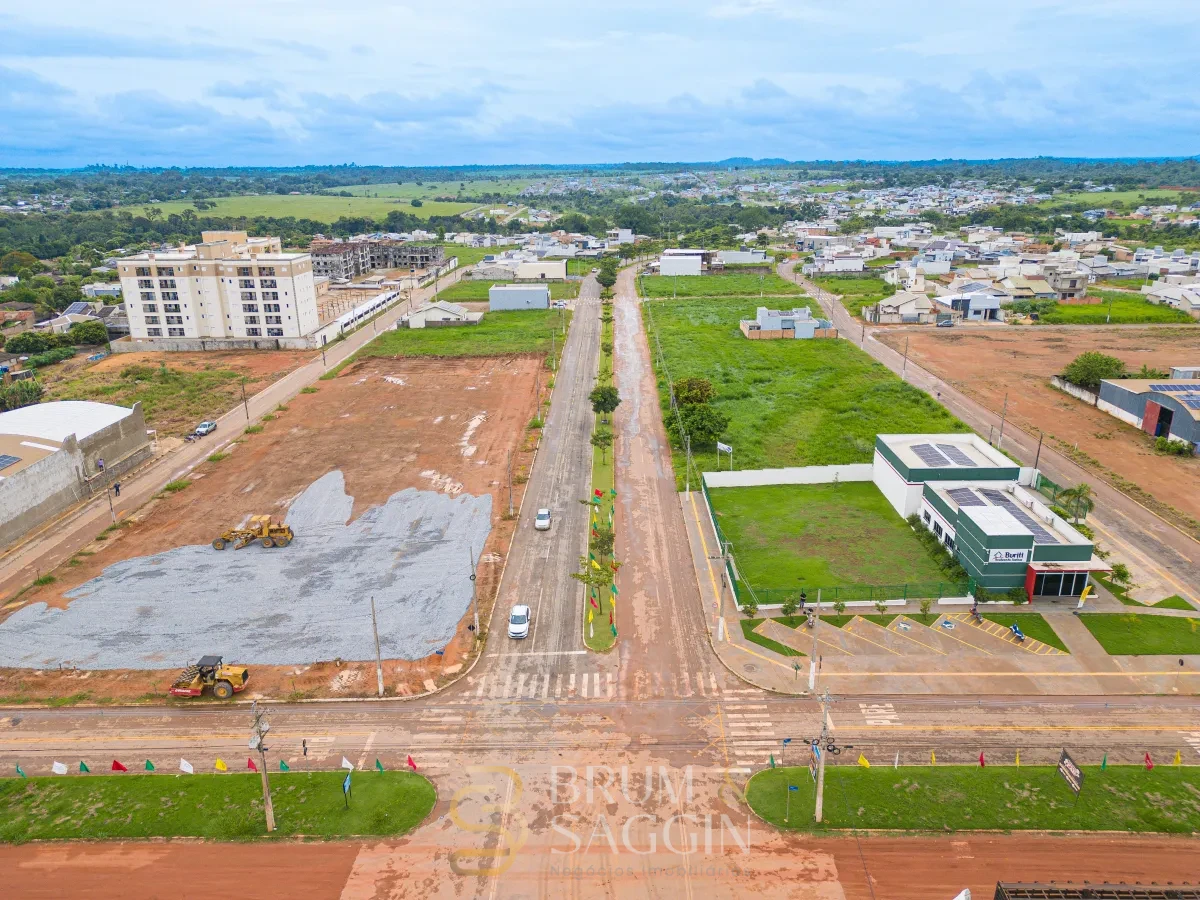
pixel 478 290
pixel 955 798
pixel 1126 309
pixel 790 402
pixel 819 535
pixel 1134 634
pixel 716 286
pixel 215 807
pixel 857 291
pixel 499 334
pixel 427 190
pixel 1130 200
pixel 317 207
pixel 1033 625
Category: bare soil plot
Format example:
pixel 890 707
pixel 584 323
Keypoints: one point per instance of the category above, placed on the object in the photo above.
pixel 434 425
pixel 986 364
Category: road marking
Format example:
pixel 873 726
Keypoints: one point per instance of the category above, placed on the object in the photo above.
pixel 571 686
pixel 546 686
pixel 558 686
pixel 1192 739
pixel 541 653
pixel 508 685
pixel 482 687
pixel 880 713
pixel 583 691
pixel 712 682
pixel 366 749
pixel 520 686
pixel 700 684
pixel 612 688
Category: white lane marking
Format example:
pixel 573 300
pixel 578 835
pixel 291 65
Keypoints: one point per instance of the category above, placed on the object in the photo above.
pixel 612 688
pixel 571 685
pixel 546 686
pixel 508 685
pixel 558 686
pixel 712 682
pixel 520 685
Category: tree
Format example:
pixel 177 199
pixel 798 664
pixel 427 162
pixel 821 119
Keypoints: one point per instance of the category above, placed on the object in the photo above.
pixel 93 332
pixel 1078 500
pixel 750 607
pixel 693 390
pixel 1121 574
pixel 31 342
pixel 607 277
pixel 602 439
pixel 790 604
pixel 839 606
pixel 604 399
pixel 603 541
pixel 926 606
pixel 606 347
pixel 12 263
pixel 414 202
pixel 701 422
pixel 20 393
pixel 1088 369
pixel 881 606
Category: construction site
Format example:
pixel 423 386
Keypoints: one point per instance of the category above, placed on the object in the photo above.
pixel 388 483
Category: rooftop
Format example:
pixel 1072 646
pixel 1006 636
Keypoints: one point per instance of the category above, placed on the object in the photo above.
pixel 945 451
pixel 57 420
pixel 1006 509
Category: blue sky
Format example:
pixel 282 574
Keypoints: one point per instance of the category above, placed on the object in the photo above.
pixel 284 82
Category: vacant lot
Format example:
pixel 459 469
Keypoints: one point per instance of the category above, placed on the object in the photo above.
pixel 478 290
pixel 215 807
pixel 499 334
pixel 319 208
pixel 1118 308
pixel 1133 634
pixel 411 452
pixel 177 390
pixel 857 291
pixel 987 364
pixel 793 536
pixel 790 403
pixel 717 286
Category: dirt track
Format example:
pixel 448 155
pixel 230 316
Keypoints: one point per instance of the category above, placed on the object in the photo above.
pixel 987 363
pixel 383 435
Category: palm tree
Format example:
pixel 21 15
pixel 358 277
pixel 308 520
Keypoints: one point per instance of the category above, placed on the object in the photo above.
pixel 1078 500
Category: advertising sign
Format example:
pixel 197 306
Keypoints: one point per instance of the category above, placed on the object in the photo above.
pixel 1008 556
pixel 1070 772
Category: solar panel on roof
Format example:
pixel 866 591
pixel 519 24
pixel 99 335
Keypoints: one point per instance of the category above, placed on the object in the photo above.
pixel 956 455
pixel 1192 402
pixel 6 460
pixel 76 308
pixel 964 497
pixel 1040 534
pixel 928 455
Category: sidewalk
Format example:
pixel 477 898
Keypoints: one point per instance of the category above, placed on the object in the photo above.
pixel 960 658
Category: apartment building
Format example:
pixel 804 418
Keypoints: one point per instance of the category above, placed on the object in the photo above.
pixel 349 259
pixel 229 286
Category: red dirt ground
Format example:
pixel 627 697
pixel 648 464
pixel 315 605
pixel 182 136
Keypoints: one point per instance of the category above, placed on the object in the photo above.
pixel 987 363
pixel 387 424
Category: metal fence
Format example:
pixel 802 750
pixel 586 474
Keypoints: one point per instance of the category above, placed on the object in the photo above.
pixel 918 590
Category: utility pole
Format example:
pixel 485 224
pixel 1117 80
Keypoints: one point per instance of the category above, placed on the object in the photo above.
pixel 378 655
pixel 474 591
pixel 1003 413
pixel 825 701
pixel 245 404
pixel 1038 455
pixel 510 503
pixel 258 734
pixel 905 366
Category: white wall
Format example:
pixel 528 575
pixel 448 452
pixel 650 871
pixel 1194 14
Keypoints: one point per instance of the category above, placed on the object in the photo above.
pixel 1121 414
pixel 792 475
pixel 679 265
pixel 905 498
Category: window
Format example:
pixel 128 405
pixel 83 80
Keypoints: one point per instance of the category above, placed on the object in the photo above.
pixel 171 307
pixel 274 320
pixel 175 332
pixel 174 320
pixel 152 320
pixel 253 332
pixel 266 283
pixel 244 271
pixel 153 332
pixel 166 271
pixel 142 271
pixel 926 517
pixel 274 332
pixel 937 528
pixel 249 307
pixel 170 297
pixel 150 307
pixel 251 320
pixel 148 295
pixel 246 283
pixel 270 307
pixel 146 284
pixel 166 284
pixel 949 543
pixel 266 271
pixel 270 295
pixel 248 297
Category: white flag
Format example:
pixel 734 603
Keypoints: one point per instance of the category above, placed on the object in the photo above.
pixel 185 766
pixel 59 768
pixel 723 448
pixel 896 764
pixel 346 764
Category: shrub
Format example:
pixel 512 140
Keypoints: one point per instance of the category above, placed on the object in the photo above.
pixel 750 607
pixel 88 333
pixel 20 393
pixel 309 389
pixel 174 487
pixel 693 390
pixel 31 342
pixel 217 457
pixel 1121 574
pixel 253 429
pixel 982 594
pixel 49 358
pixel 1172 447
pixel 1088 369
pixel 1016 596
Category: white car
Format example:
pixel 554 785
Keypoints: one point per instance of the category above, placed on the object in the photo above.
pixel 518 622
pixel 541 522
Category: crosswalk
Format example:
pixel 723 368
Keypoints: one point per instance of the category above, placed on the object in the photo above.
pixel 561 686
pixel 750 735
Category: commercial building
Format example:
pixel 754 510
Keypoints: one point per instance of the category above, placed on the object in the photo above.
pixel 52 455
pixel 685 261
pixel 1160 407
pixel 228 287
pixel 349 259
pixel 974 499
pixel 518 296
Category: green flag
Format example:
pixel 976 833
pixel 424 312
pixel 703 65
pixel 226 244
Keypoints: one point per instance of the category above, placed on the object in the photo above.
pixel 591 556
pixel 83 766
pixel 149 766
pixel 614 630
pixel 21 772
pixel 1104 763
pixel 283 767
pixel 379 765
pixel 772 760
pixel 613 586
pixel 613 491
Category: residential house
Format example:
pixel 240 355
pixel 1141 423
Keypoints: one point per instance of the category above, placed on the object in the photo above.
pixel 441 313
pixel 903 307
pixel 1067 282
pixel 775 324
pixel 1184 297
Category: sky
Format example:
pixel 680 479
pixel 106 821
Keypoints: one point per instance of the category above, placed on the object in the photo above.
pixel 293 82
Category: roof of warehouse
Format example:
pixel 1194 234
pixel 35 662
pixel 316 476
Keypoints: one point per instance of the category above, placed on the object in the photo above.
pixel 56 420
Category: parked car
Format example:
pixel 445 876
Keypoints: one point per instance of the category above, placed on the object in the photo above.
pixel 946 323
pixel 205 428
pixel 518 622
pixel 560 304
pixel 541 521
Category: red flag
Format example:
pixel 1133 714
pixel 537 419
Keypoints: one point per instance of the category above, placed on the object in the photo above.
pixel 250 764
pixel 610 621
pixel 1149 762
pixel 592 600
pixel 981 760
pixel 118 767
pixel 598 492
pixel 412 764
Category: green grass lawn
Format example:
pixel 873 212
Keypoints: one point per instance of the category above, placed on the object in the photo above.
pixel 1130 200
pixel 215 807
pixel 1127 309
pixel 790 403
pixel 937 798
pixel 499 334
pixel 748 626
pixel 735 285
pixel 317 207
pixel 1134 634
pixel 468 256
pixel 478 290
pixel 819 535
pixel 1033 625
pixel 603 480
pixel 1174 602
pixel 857 290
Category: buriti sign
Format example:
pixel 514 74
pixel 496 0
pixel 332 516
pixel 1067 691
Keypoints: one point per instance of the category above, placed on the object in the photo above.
pixel 1008 556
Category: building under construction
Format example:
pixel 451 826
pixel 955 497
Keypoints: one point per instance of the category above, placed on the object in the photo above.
pixel 349 259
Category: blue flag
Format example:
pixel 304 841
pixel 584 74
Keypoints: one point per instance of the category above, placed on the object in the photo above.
pixel 787 741
pixel 792 787
pixel 346 784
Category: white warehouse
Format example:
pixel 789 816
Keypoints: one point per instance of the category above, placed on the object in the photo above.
pixel 518 296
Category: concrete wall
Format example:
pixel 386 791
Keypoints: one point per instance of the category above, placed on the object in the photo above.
pixel 792 475
pixel 41 491
pixel 1074 390
pixel 117 444
pixel 510 297
pixel 679 265
pixel 201 345
pixel 904 497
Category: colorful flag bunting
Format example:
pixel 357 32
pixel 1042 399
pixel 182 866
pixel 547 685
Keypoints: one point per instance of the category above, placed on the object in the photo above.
pixel 220 766
pixel 614 630
pixel 21 771
pixel 118 767
pixel 1018 759
pixel 346 764
pixel 59 768
pixel 932 758
pixel 1178 759
pixel 591 613
pixel 83 766
pixel 982 761
pixel 378 765
pixel 412 765
pixel 1149 761
pixel 896 764
pixel 1104 763
pixel 592 600
pixel 613 491
pixel 610 621
pixel 772 760
pixel 283 767
pixel 149 766
pixel 185 766
pixel 598 492
pixel 863 761
pixel 251 764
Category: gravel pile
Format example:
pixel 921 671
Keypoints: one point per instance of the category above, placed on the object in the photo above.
pixel 298 604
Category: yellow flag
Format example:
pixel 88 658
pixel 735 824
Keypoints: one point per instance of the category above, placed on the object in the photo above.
pixel 932 758
pixel 1178 759
pixel 862 761
pixel 1018 758
pixel 595 565
pixel 590 611
pixel 220 766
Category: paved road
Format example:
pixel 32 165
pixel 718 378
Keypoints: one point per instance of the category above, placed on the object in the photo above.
pixel 1121 523
pixel 60 539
